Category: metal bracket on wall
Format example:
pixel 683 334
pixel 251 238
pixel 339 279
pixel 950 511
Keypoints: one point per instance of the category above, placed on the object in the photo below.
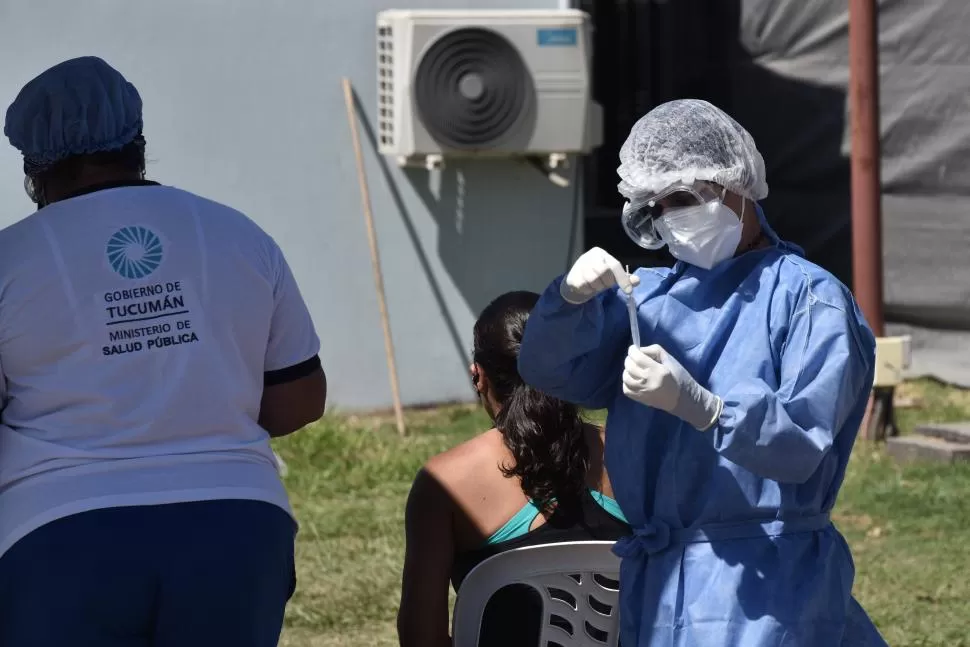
pixel 549 167
pixel 427 162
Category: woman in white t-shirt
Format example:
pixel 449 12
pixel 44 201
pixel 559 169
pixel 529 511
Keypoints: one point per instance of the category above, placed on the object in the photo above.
pixel 151 343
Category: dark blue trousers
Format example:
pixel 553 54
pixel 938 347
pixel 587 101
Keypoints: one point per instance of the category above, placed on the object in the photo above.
pixel 203 574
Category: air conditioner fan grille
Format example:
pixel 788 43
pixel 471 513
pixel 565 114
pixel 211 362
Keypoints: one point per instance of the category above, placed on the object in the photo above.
pixel 472 89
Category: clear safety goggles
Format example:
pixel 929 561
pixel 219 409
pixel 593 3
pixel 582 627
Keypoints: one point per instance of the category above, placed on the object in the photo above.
pixel 640 217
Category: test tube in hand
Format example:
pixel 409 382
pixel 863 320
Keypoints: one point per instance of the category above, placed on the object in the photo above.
pixel 631 306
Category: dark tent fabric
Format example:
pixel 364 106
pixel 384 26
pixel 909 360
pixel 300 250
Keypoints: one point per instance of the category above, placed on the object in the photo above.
pixel 925 126
pixel 780 67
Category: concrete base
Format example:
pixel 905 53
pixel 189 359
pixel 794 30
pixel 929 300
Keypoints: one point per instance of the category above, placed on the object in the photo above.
pixel 957 432
pixel 907 449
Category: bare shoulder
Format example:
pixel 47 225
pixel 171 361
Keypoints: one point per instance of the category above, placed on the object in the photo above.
pixel 473 457
pixel 456 479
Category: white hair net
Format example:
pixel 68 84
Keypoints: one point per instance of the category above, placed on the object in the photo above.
pixel 686 141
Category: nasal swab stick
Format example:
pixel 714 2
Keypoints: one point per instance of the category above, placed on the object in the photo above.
pixel 631 307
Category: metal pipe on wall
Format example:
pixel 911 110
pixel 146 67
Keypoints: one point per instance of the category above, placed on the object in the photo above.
pixel 865 158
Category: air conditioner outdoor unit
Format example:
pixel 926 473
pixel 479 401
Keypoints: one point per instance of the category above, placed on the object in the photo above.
pixel 465 83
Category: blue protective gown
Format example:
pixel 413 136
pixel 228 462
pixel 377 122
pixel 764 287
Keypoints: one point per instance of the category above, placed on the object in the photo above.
pixel 733 543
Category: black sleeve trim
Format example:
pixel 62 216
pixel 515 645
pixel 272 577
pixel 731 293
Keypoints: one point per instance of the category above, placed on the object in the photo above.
pixel 291 373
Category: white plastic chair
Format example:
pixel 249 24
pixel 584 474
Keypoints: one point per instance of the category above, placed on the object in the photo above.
pixel 578 583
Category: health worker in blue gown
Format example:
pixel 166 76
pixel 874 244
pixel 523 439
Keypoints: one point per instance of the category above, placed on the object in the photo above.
pixel 729 430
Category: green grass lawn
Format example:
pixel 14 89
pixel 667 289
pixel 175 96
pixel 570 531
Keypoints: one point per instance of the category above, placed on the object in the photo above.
pixel 348 478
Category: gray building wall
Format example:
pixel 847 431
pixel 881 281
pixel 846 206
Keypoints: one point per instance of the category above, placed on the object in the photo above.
pixel 243 104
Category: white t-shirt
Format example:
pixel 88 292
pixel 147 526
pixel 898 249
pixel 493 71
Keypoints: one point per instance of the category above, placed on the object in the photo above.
pixel 137 326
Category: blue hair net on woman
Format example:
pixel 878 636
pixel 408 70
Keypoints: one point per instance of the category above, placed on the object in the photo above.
pixel 77 107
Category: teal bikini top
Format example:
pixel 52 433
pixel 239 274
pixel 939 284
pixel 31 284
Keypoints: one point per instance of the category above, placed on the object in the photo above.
pixel 522 521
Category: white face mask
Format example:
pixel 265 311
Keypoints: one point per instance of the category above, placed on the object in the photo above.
pixel 703 236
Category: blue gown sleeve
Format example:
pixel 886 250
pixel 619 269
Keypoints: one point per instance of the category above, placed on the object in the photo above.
pixel 827 368
pixel 575 353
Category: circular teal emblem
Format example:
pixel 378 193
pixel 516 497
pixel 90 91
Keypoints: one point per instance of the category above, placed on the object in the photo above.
pixel 134 252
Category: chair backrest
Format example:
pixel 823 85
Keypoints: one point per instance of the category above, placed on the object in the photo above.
pixel 578 583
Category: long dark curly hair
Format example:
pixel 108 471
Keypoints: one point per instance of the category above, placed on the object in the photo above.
pixel 546 436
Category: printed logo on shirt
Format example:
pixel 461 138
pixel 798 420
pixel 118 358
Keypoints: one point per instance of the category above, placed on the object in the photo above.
pixel 134 252
pixel 150 313
pixel 149 317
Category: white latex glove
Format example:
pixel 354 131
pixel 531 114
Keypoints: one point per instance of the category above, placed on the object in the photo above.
pixel 654 378
pixel 592 273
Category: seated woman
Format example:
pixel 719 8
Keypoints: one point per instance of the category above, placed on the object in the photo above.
pixel 537 477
